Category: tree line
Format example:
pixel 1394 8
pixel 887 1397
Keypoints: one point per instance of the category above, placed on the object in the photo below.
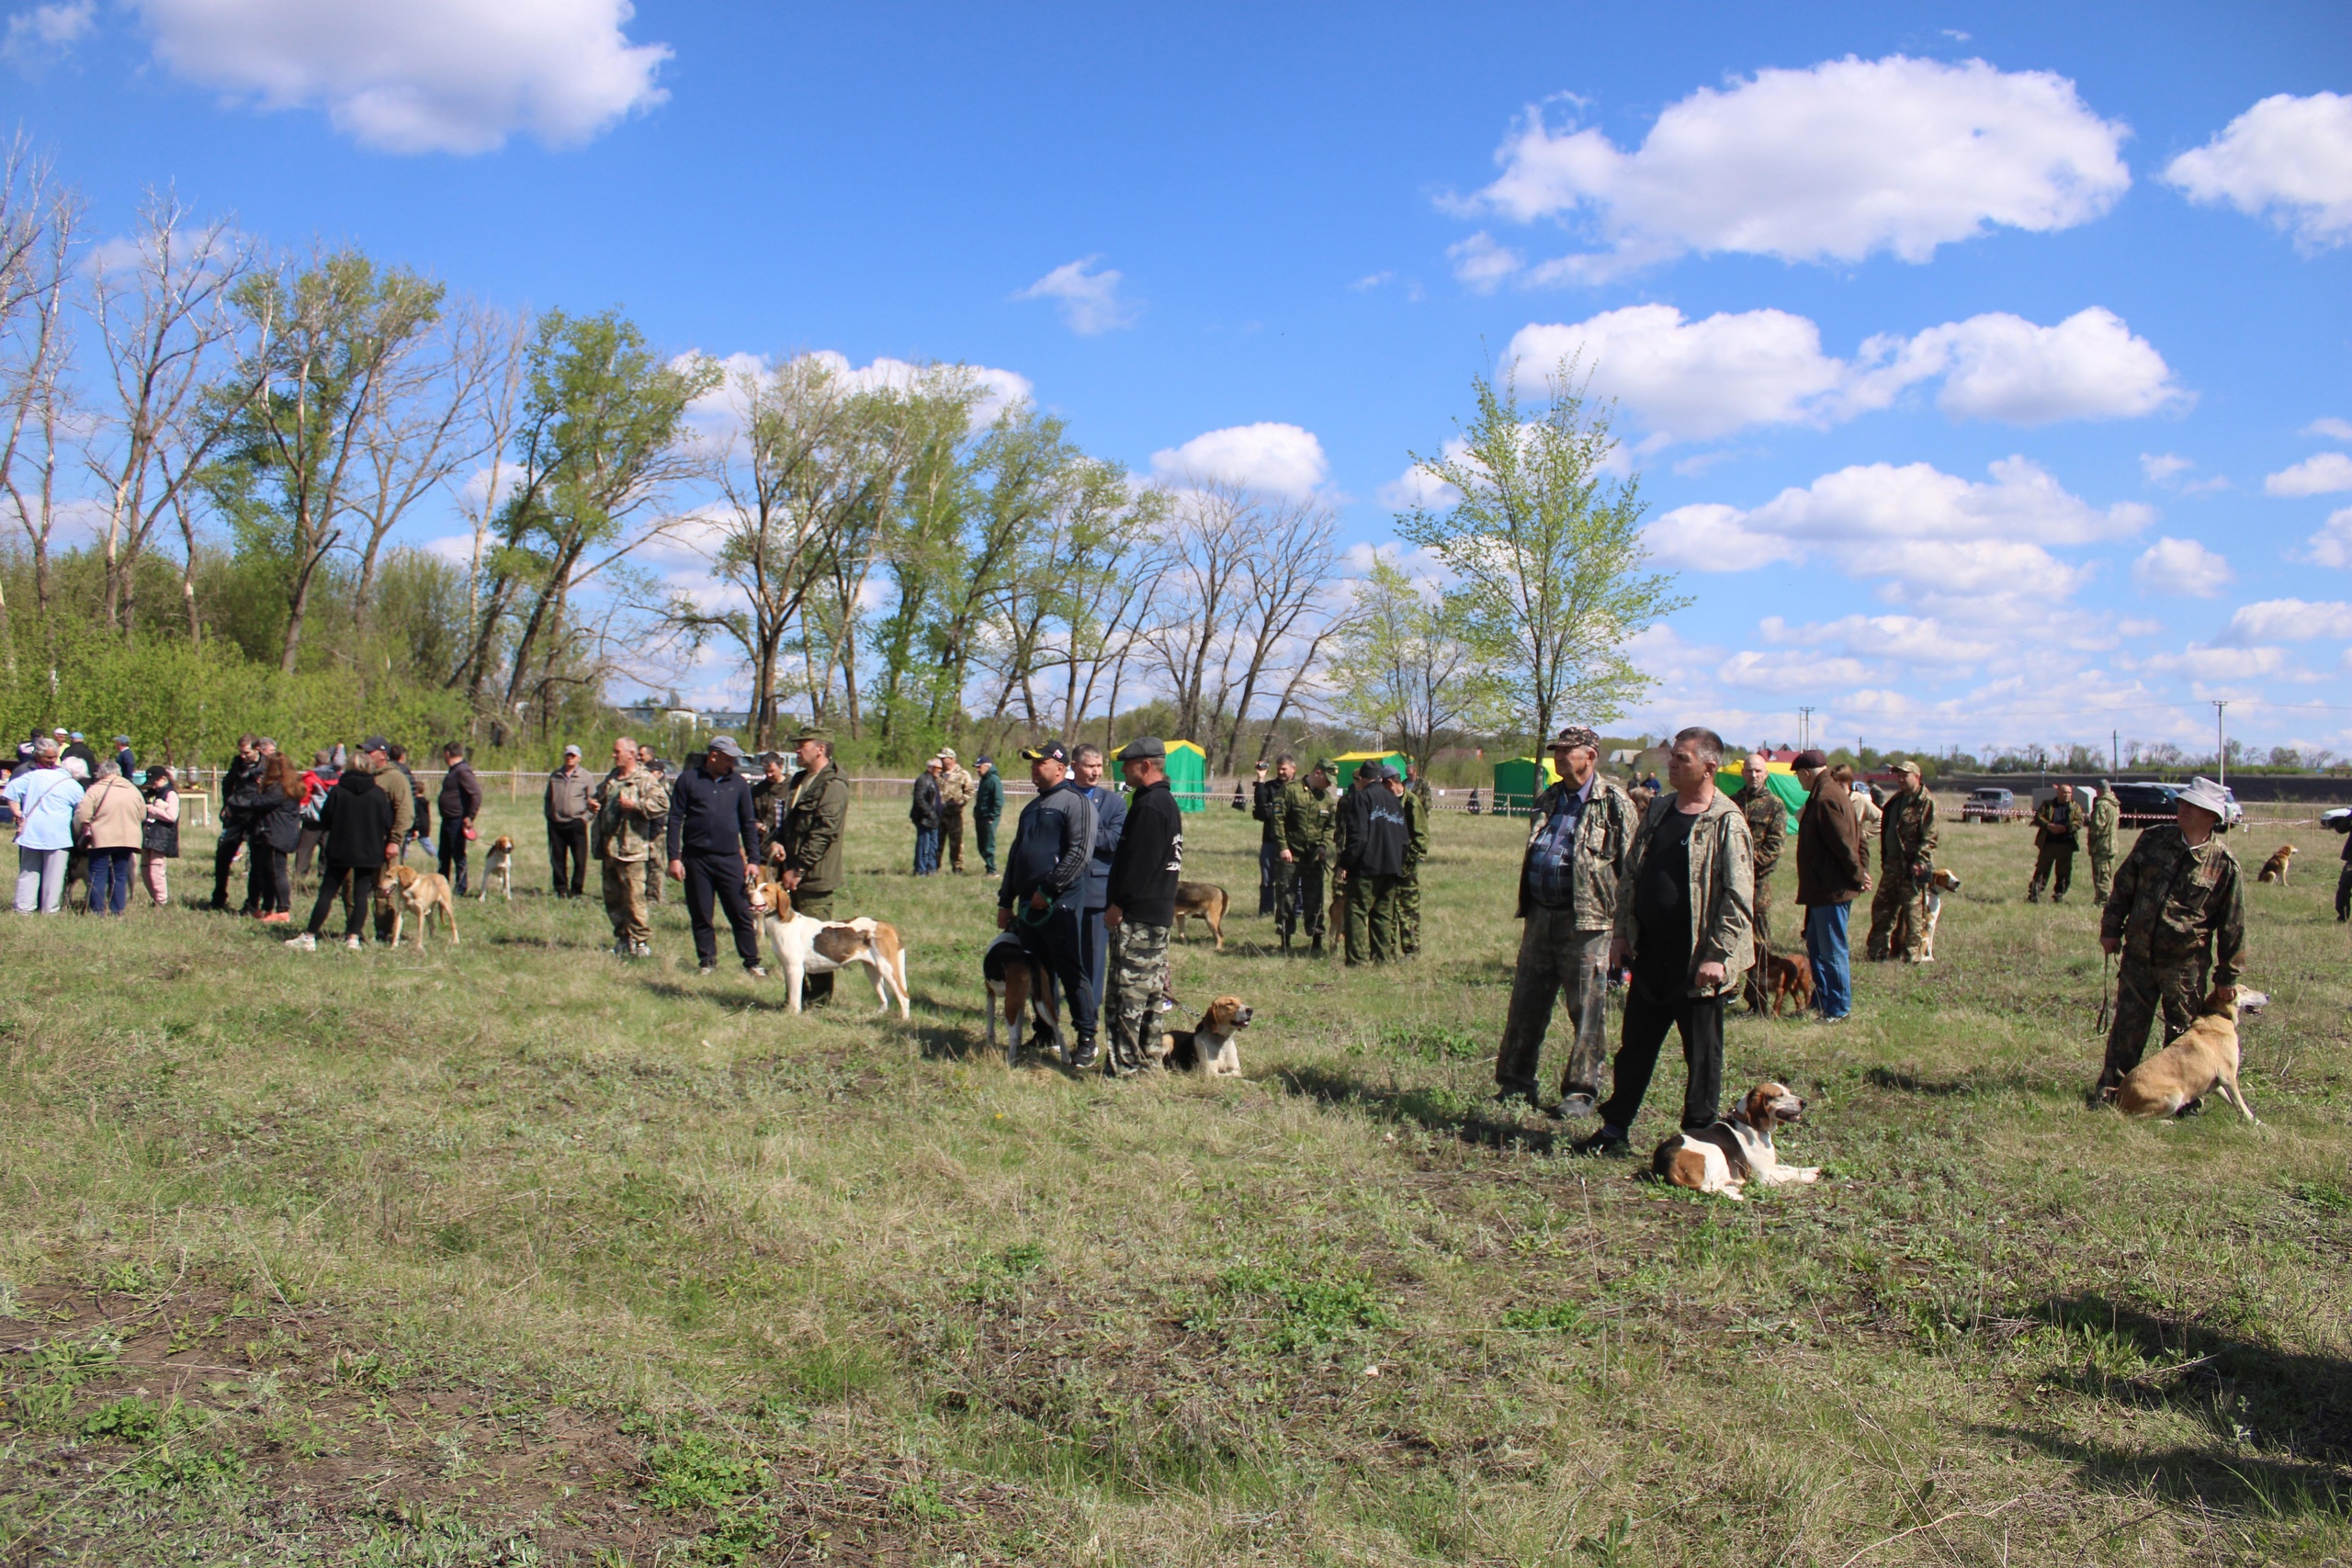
pixel 210 449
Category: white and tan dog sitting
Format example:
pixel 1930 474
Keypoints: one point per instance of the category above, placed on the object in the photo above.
pixel 498 868
pixel 805 945
pixel 1736 1150
pixel 1945 880
pixel 2275 868
pixel 2202 1061
pixel 1210 1047
pixel 417 896
pixel 1011 978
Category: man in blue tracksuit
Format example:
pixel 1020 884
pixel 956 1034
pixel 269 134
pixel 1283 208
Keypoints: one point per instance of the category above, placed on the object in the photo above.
pixel 714 840
pixel 1110 822
pixel 1043 897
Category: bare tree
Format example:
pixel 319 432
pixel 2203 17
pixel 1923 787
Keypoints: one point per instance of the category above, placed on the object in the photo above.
pixel 37 223
pixel 162 306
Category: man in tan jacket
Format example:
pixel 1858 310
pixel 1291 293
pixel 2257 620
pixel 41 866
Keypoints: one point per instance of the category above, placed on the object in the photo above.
pixel 1683 925
pixel 631 804
pixel 109 820
pixel 955 788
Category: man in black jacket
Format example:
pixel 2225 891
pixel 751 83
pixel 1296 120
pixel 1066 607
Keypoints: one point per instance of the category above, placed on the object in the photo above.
pixel 1043 897
pixel 460 804
pixel 239 778
pixel 1372 840
pixel 1110 821
pixel 713 841
pixel 1140 890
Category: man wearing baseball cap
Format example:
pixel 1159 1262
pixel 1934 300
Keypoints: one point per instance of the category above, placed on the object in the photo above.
pixel 1906 859
pixel 2177 911
pixel 1043 896
pixel 570 806
pixel 714 841
pixel 956 791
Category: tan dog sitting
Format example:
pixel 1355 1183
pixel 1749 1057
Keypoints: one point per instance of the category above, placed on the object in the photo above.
pixel 498 868
pixel 2203 1060
pixel 1737 1149
pixel 2275 868
pixel 417 896
pixel 1210 1047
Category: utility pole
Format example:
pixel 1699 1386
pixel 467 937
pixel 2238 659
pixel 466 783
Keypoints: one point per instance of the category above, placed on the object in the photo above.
pixel 2115 748
pixel 1805 728
pixel 2221 745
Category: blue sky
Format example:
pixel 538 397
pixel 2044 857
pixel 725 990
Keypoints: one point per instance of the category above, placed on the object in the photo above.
pixel 1986 366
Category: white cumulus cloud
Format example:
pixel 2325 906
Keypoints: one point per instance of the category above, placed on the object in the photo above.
pixel 39 35
pixel 1281 459
pixel 1695 380
pixel 2320 475
pixel 2289 620
pixel 1834 162
pixel 2181 566
pixel 2332 546
pixel 2330 428
pixel 2288 158
pixel 420 75
pixel 1089 299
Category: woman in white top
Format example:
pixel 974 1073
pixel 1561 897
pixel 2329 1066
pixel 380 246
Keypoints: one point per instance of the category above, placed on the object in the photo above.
pixel 44 797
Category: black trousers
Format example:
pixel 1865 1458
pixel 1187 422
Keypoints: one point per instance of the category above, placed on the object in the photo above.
pixel 232 836
pixel 1098 948
pixel 1059 946
pixel 268 887
pixel 363 894
pixel 2343 893
pixel 1648 1018
pixel 453 857
pixel 720 875
pixel 570 840
pixel 1270 876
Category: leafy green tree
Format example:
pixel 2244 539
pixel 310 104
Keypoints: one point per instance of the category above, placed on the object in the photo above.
pixel 1547 546
pixel 1417 663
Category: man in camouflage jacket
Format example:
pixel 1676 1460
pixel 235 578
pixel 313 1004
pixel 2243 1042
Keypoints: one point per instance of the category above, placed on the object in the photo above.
pixel 2177 911
pixel 1416 850
pixel 1906 859
pixel 1303 818
pixel 1768 829
pixel 956 791
pixel 632 807
pixel 2106 816
pixel 1576 856
pixel 2056 821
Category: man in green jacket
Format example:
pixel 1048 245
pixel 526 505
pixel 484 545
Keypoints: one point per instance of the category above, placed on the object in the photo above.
pixel 2055 823
pixel 1768 832
pixel 2176 917
pixel 629 802
pixel 807 847
pixel 1303 816
pixel 2106 816
pixel 1906 859
pixel 1417 849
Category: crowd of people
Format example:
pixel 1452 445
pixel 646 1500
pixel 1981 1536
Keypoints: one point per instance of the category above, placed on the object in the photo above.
pixel 1665 891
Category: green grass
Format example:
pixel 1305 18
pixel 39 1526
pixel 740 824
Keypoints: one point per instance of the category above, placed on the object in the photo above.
pixel 510 1253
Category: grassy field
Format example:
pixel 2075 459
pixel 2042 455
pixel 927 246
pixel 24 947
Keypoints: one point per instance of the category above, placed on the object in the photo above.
pixel 507 1252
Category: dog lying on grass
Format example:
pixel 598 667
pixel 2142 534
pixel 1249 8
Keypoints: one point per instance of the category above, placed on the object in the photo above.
pixel 2204 1060
pixel 1736 1150
pixel 1210 1047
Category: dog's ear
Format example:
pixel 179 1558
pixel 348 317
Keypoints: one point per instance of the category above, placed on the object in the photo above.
pixel 1759 1108
pixel 2222 1003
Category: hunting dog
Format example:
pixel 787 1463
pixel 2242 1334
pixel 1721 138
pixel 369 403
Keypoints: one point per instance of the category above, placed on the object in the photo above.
pixel 1011 978
pixel 2275 868
pixel 498 868
pixel 1945 880
pixel 1205 899
pixel 805 945
pixel 417 895
pixel 1736 1150
pixel 1788 977
pixel 2203 1060
pixel 1210 1047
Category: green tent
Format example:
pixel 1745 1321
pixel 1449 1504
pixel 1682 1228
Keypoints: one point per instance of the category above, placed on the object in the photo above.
pixel 1518 780
pixel 1781 780
pixel 1188 775
pixel 1349 762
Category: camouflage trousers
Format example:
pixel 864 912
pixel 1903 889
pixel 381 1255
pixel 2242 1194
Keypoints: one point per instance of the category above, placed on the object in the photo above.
pixel 1898 920
pixel 1298 896
pixel 2144 989
pixel 1137 978
pixel 1557 961
pixel 1752 989
pixel 1409 911
pixel 1372 918
pixel 624 900
pixel 2102 873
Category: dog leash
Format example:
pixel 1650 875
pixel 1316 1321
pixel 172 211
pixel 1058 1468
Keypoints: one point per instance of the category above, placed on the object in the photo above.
pixel 2106 990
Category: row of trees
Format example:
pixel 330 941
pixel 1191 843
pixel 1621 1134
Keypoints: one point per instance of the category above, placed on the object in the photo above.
pixel 211 454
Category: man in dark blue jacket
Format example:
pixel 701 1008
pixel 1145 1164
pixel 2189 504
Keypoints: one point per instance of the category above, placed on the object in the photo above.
pixel 1110 821
pixel 714 842
pixel 1043 897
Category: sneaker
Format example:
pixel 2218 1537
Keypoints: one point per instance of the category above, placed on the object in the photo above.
pixel 641 949
pixel 755 972
pixel 1087 1056
pixel 353 943
pixel 305 943
pixel 276 918
pixel 1572 1108
pixel 1316 951
pixel 1841 1018
pixel 701 969
pixel 1610 1141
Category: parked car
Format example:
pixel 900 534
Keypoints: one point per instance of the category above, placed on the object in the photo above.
pixel 2146 802
pixel 2337 819
pixel 1987 806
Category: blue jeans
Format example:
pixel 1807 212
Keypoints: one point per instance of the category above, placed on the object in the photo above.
pixel 926 850
pixel 1825 946
pixel 110 881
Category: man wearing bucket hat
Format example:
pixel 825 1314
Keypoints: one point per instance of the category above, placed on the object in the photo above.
pixel 2177 912
pixel 1906 859
pixel 1043 897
